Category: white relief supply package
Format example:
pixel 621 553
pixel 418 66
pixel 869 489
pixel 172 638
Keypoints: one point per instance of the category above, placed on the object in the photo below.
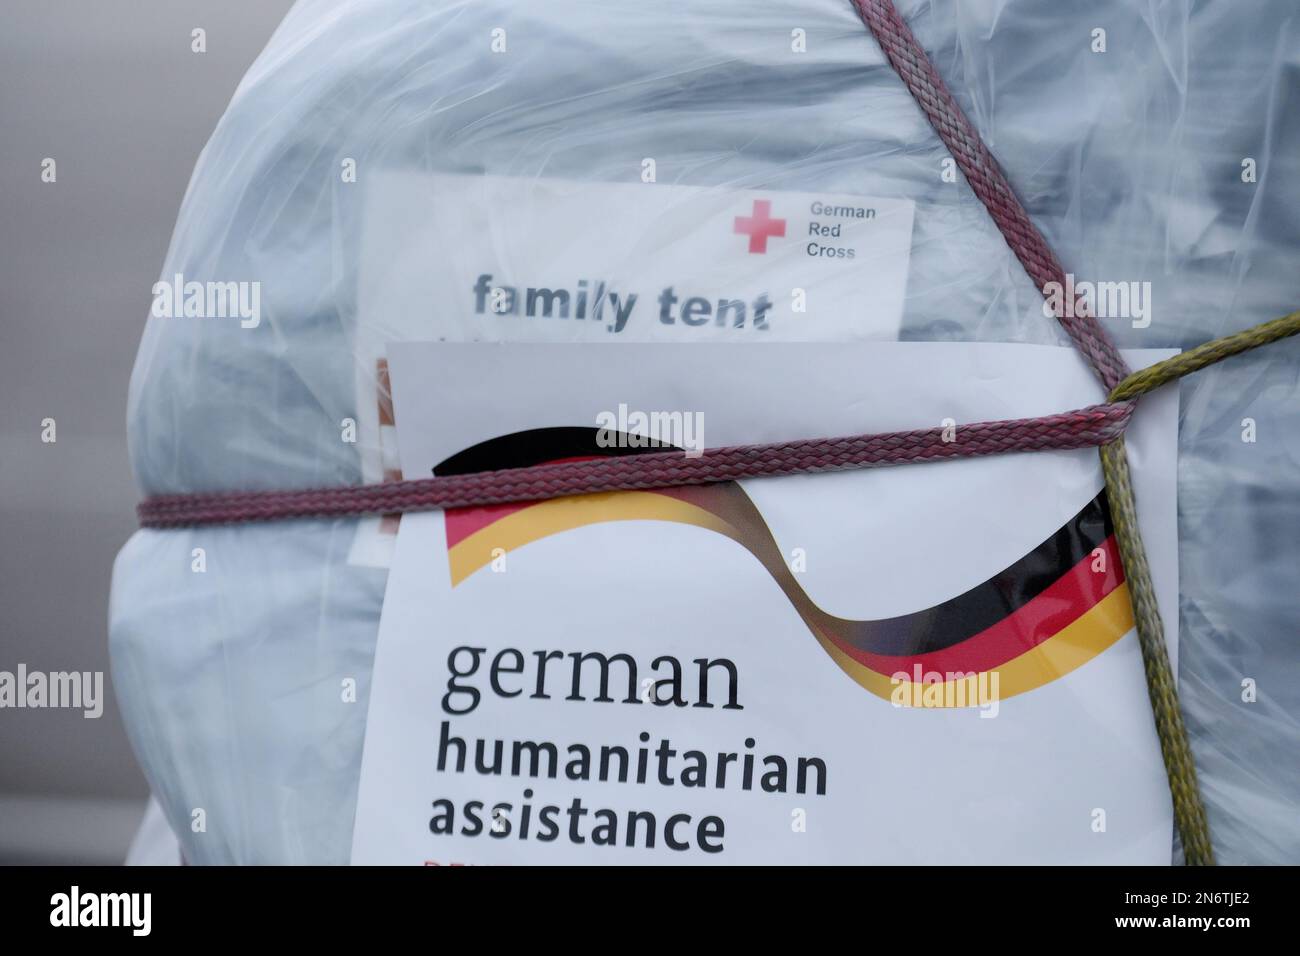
pixel 379 158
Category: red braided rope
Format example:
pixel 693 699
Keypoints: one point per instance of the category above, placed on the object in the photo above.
pixel 987 180
pixel 1083 428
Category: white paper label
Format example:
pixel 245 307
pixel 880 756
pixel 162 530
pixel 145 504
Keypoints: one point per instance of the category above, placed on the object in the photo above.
pixel 460 258
pixel 917 664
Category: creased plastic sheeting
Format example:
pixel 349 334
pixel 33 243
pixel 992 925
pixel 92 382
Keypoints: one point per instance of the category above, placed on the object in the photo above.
pixel 1131 163
pixel 233 681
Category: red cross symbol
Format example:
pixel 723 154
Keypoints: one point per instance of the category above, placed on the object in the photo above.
pixel 760 225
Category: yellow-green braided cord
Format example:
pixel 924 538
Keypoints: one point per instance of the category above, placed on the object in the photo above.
pixel 1139 383
pixel 1189 811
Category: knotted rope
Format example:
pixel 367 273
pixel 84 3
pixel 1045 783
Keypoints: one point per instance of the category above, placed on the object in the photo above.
pixel 1093 426
pixel 1084 428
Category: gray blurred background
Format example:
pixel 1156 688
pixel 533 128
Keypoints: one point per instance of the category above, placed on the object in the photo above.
pixel 111 90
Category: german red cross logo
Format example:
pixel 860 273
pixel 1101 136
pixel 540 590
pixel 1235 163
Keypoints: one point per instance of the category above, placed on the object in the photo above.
pixel 760 226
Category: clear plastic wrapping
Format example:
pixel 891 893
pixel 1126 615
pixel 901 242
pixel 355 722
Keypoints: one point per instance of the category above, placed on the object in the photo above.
pixel 1130 160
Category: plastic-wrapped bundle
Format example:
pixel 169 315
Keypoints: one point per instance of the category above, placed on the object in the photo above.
pixel 1130 160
